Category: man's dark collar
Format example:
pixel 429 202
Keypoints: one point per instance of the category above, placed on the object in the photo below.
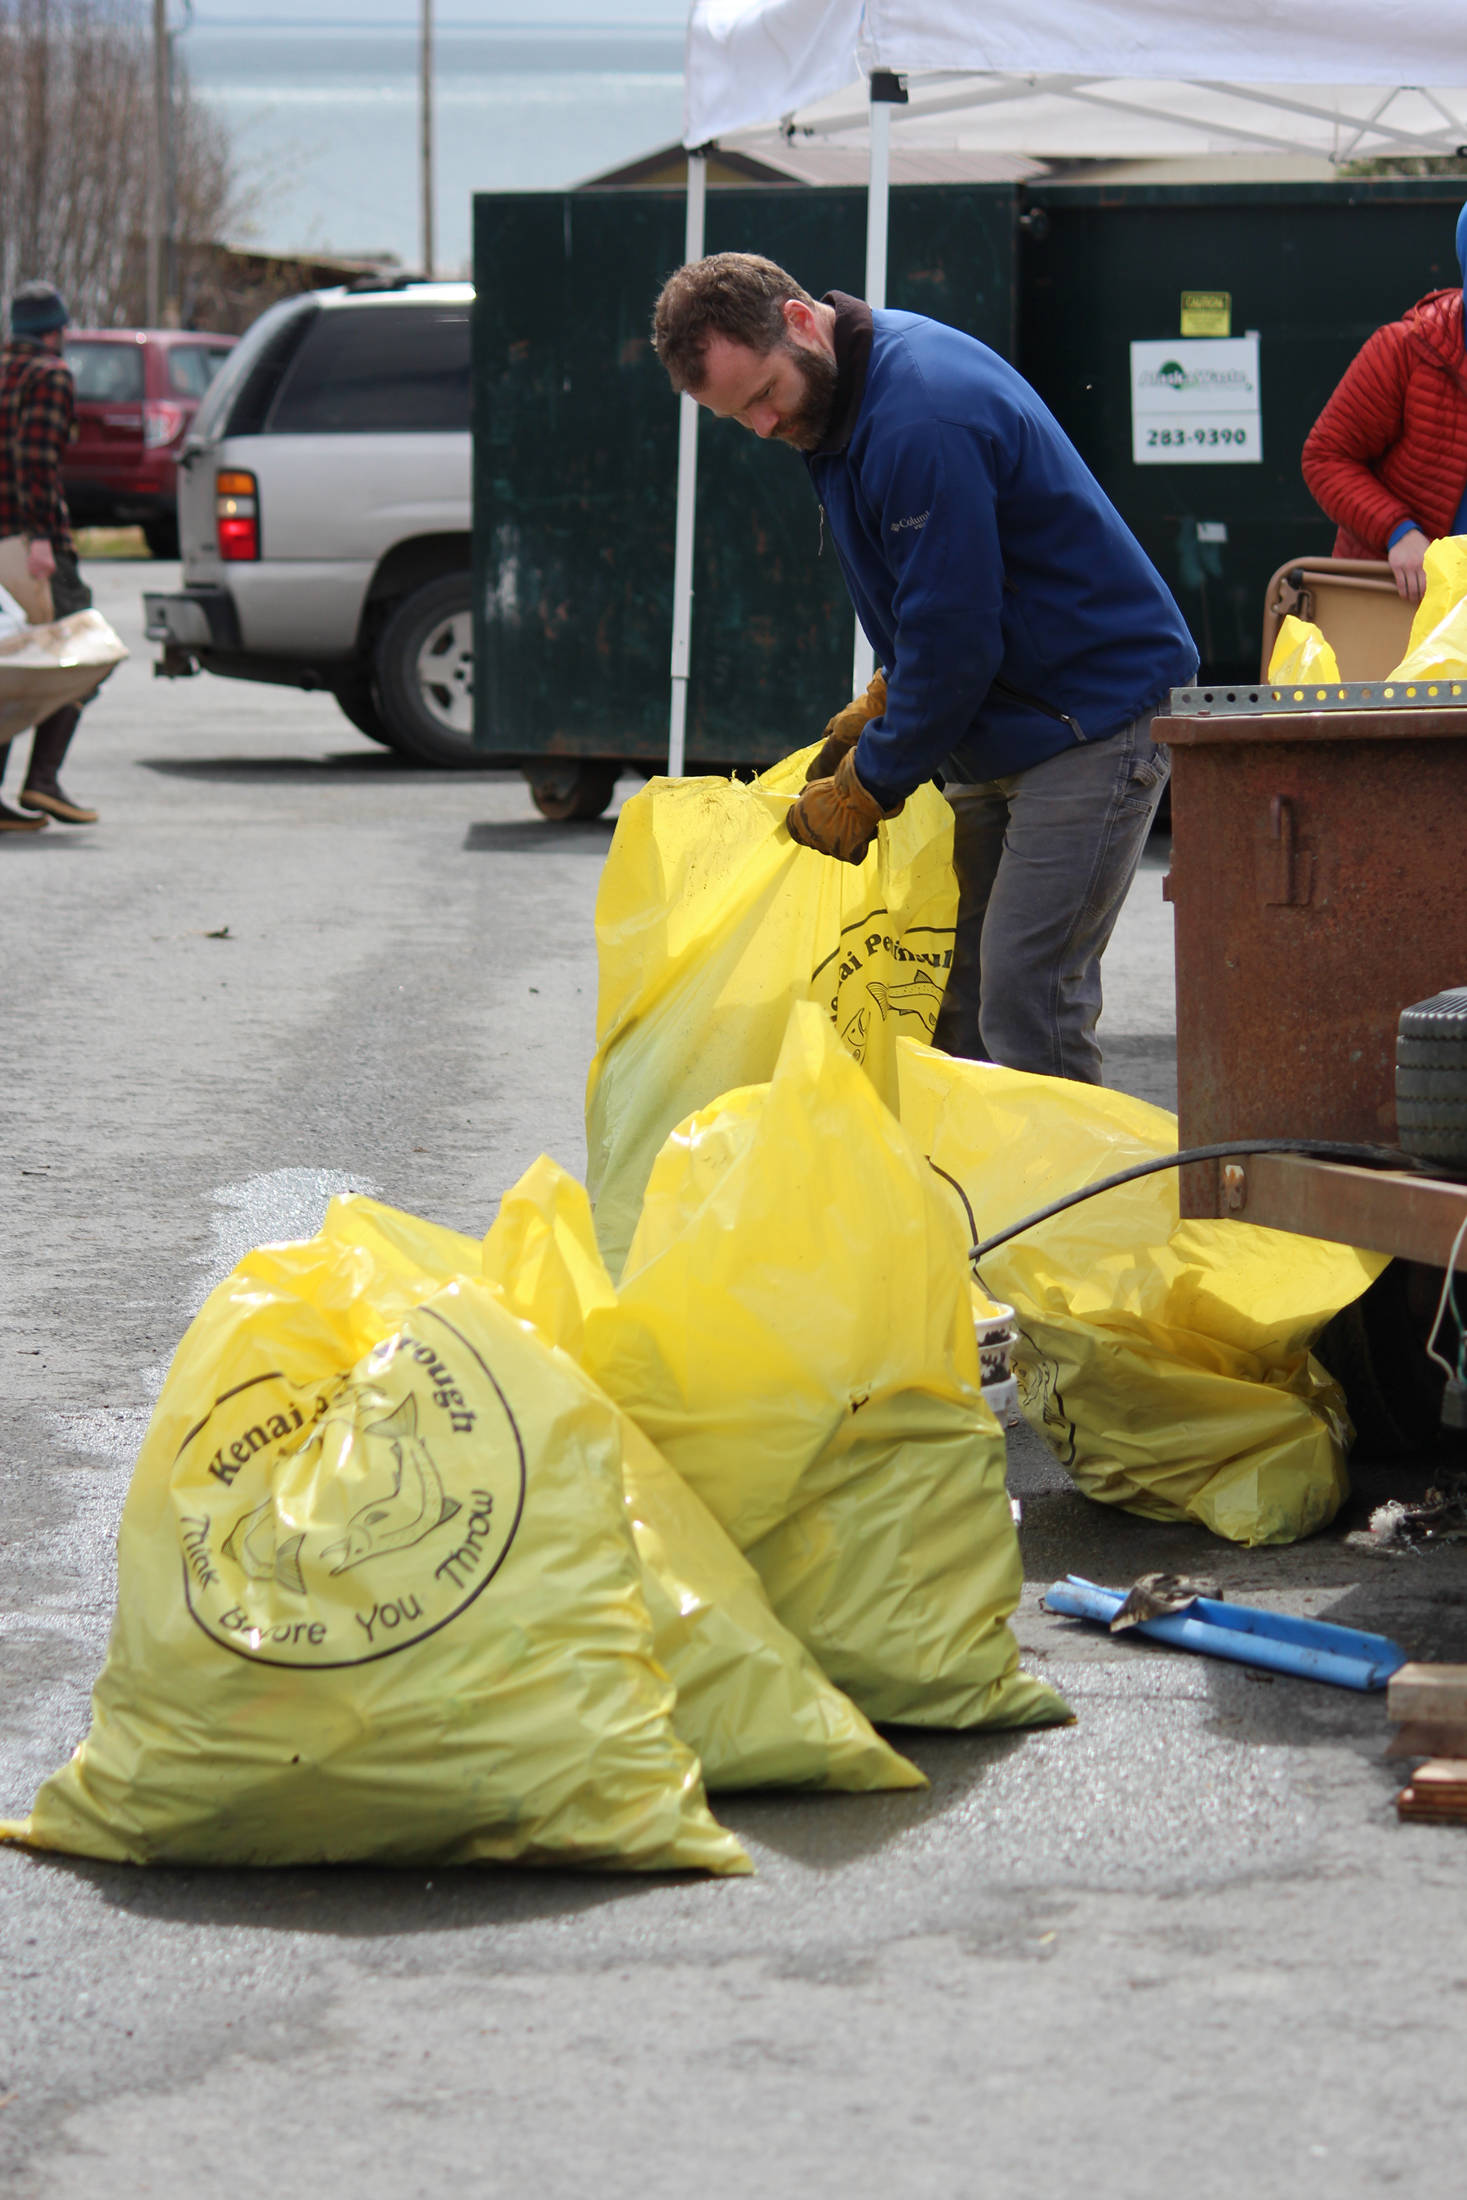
pixel 853 332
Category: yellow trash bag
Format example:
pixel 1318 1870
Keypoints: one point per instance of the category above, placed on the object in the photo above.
pixel 379 1605
pixel 1165 1363
pixel 793 1331
pixel 711 923
pixel 1437 649
pixel 1301 654
pixel 751 1701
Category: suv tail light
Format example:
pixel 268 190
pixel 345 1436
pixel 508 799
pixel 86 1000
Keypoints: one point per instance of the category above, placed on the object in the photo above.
pixel 237 516
pixel 163 423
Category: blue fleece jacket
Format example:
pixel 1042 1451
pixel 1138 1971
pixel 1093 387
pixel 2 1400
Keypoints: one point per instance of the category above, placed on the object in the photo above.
pixel 993 577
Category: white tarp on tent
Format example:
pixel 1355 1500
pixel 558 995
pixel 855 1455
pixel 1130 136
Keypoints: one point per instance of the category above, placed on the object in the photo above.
pixel 753 61
pixel 1120 118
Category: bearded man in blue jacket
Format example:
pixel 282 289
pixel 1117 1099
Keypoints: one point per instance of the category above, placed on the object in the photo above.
pixel 1027 640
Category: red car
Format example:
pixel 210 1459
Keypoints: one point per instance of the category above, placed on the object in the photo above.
pixel 137 389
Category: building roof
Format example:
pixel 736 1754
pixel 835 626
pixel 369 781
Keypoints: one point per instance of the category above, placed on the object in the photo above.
pixel 785 160
pixel 782 158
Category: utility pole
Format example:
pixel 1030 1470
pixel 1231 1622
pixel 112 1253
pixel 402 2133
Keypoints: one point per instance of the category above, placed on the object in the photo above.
pixel 158 176
pixel 35 135
pixel 425 133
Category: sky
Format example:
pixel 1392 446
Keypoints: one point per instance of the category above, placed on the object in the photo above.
pixel 320 105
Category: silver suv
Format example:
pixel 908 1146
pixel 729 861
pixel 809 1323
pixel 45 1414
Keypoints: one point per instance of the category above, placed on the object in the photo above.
pixel 324 514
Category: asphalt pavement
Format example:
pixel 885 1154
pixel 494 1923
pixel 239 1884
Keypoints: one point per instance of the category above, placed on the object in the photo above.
pixel 1183 1944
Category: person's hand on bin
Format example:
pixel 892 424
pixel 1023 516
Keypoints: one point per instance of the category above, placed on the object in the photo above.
pixel 837 816
pixel 844 730
pixel 1408 563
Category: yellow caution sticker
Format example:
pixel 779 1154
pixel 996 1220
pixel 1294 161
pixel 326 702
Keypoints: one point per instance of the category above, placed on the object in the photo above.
pixel 1207 313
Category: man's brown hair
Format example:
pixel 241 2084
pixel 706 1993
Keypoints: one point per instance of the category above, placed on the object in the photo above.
pixel 732 294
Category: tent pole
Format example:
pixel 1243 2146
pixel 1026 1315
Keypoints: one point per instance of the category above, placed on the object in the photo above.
pixel 687 498
pixel 878 199
pixel 886 91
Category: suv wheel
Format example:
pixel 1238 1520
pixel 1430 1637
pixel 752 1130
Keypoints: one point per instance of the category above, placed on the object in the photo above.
pixel 425 674
pixel 356 698
pixel 563 789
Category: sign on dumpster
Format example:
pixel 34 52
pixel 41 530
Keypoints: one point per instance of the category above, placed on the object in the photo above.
pixel 1195 402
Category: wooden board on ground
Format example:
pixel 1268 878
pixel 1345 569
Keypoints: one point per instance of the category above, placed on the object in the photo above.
pixel 1432 1694
pixel 1438 1791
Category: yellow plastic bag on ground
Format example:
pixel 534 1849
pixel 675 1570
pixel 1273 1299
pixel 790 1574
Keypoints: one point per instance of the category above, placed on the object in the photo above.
pixel 793 1331
pixel 1301 653
pixel 1165 1363
pixel 751 1700
pixel 378 1598
pixel 711 923
pixel 1437 649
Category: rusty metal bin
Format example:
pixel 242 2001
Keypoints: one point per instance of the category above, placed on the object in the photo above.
pixel 1319 880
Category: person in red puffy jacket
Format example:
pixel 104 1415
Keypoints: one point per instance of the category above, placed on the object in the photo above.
pixel 1387 458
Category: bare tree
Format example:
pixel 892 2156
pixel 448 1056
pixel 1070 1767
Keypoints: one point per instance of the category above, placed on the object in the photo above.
pixel 76 143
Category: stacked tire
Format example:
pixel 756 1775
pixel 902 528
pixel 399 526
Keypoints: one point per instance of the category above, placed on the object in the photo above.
pixel 1431 1081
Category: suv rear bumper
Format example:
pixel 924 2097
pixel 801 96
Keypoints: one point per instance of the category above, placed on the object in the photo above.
pixel 198 618
pixel 199 630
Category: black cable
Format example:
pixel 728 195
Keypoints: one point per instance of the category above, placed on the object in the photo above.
pixel 1317 1149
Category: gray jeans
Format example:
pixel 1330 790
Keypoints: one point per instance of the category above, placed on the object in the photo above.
pixel 1044 860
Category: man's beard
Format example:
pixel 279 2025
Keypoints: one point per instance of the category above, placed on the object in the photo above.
pixel 807 426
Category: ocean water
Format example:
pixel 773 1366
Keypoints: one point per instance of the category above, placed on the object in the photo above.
pixel 324 124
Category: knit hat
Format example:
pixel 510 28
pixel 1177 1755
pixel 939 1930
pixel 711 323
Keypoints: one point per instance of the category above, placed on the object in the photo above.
pixel 36 309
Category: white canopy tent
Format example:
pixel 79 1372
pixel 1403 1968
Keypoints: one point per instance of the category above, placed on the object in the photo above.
pixel 1106 78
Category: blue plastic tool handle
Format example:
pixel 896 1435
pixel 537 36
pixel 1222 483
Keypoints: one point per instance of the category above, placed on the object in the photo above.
pixel 1311 1649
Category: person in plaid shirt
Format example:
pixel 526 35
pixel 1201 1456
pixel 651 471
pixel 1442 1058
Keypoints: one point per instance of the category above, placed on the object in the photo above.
pixel 36 412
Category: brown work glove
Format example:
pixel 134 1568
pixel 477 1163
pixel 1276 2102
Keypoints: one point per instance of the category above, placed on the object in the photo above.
pixel 846 727
pixel 837 816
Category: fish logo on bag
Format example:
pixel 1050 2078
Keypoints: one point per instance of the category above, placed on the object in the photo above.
pixel 919 1000
pixel 876 978
pixel 333 1525
pixel 412 1508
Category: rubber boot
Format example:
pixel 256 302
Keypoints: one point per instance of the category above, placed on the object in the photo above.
pixel 42 789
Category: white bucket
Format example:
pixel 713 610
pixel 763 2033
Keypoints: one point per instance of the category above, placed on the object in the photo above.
pixel 996 1336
